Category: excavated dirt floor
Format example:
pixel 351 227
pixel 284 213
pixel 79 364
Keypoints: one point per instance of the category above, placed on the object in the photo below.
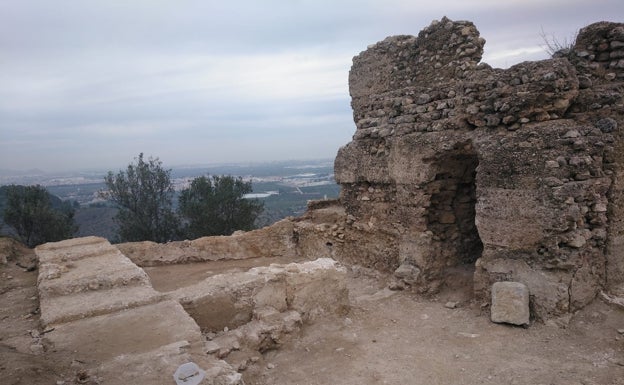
pixel 387 338
pixel 171 277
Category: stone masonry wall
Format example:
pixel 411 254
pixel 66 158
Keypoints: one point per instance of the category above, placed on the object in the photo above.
pixel 517 171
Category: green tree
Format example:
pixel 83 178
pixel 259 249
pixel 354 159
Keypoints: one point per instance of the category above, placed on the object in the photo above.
pixel 215 206
pixel 144 194
pixel 29 211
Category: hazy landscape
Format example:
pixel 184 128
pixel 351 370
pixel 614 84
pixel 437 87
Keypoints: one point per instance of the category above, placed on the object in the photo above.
pixel 285 187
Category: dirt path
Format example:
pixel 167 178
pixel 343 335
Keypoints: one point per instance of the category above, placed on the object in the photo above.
pixel 397 338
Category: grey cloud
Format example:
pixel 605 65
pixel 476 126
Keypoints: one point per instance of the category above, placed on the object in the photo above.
pixel 244 79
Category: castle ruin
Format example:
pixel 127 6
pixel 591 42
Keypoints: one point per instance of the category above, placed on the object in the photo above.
pixel 502 174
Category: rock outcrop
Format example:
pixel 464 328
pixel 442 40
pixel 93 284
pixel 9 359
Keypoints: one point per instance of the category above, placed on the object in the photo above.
pixel 516 171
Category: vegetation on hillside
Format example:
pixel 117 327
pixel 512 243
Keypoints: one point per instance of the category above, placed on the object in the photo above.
pixel 216 206
pixel 30 212
pixel 210 206
pixel 144 194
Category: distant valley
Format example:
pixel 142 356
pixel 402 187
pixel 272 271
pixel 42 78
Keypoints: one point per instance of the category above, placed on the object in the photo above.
pixel 285 187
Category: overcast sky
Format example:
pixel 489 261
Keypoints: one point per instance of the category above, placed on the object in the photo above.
pixel 91 84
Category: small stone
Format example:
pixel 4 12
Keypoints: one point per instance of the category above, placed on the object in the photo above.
pixel 450 305
pixel 407 273
pixel 397 285
pixel 510 303
pixel 600 208
pixel 211 347
pixel 572 134
pixel 584 82
pixel 242 366
pixel 607 125
pixel 610 76
pixel 423 98
pixel 552 164
pixel 621 331
pixel 577 241
pixel 37 349
pixel 270 366
pixel 616 44
pixel 551 181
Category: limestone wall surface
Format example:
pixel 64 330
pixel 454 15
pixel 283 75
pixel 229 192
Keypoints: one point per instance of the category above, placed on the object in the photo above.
pixel 517 171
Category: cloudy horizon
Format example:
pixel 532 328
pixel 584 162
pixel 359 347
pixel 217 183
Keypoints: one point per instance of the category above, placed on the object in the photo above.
pixel 93 84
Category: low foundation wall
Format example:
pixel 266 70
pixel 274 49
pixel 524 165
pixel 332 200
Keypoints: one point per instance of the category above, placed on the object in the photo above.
pixel 98 304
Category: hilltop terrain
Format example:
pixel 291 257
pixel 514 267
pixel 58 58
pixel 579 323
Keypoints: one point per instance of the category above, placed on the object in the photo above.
pixel 387 338
pixel 460 179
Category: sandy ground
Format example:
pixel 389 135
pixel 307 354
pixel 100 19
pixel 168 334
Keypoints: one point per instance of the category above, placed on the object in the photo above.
pixel 387 338
pixel 399 338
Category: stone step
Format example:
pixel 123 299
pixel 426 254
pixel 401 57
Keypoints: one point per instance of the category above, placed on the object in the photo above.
pixel 95 266
pixel 61 309
pixel 131 331
pixel 71 249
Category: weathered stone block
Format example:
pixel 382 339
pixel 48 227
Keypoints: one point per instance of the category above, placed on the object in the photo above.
pixel 510 303
pixel 83 265
pixel 311 288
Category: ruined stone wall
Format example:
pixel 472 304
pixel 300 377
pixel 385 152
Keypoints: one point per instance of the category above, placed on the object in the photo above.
pixel 515 174
pixel 516 171
pixel 274 241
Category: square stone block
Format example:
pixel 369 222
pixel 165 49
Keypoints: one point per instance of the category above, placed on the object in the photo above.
pixel 510 303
